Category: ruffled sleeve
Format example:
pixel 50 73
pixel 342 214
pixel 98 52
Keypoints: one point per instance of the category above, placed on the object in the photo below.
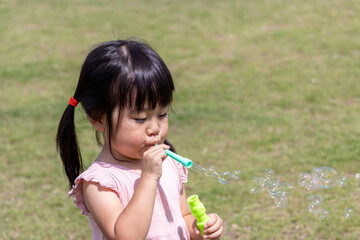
pixel 182 171
pixel 90 175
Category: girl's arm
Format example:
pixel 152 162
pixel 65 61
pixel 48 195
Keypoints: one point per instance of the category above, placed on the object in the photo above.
pixel 213 229
pixel 115 221
pixel 133 221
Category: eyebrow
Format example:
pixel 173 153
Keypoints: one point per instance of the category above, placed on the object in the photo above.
pixel 144 109
pixel 136 110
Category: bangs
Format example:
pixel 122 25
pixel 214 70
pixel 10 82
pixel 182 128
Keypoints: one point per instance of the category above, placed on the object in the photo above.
pixel 152 86
pixel 144 80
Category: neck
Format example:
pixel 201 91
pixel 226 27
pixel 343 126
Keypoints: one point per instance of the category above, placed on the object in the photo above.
pixel 106 156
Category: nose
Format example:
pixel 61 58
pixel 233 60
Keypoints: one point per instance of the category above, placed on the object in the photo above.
pixel 153 128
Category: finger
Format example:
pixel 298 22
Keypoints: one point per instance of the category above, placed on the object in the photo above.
pixel 212 220
pixel 158 152
pixel 158 148
pixel 213 228
pixel 215 235
pixel 197 231
pixel 155 149
pixel 163 145
pixel 161 150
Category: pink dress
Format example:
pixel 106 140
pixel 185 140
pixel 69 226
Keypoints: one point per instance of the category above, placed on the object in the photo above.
pixel 167 221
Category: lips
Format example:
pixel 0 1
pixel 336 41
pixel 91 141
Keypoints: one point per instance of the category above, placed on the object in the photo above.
pixel 148 146
pixel 151 144
pixel 154 141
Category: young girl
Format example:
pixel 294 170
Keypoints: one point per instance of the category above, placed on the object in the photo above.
pixel 132 190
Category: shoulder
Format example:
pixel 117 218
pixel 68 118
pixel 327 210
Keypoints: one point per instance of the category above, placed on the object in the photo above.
pixel 100 173
pixel 95 196
pixel 95 192
pixel 96 178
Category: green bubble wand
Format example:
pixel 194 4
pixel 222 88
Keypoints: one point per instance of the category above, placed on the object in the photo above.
pixel 184 161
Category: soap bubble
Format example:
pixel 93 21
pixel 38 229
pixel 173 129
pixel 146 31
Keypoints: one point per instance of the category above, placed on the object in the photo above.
pixel 227 176
pixel 224 177
pixel 254 189
pixel 320 177
pixel 257 184
pixel 304 178
pixel 272 188
pixel 269 174
pixel 276 190
pixel 306 181
pixel 285 189
pixel 222 180
pixel 342 181
pixel 349 212
pixel 265 181
pixel 280 200
pixel 324 177
pixel 324 214
pixel 236 174
pixel 315 206
pixel 315 203
pixel 211 172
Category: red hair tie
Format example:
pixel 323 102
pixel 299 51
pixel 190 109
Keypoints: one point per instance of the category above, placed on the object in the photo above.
pixel 73 102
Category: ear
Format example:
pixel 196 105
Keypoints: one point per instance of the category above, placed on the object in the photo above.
pixel 99 125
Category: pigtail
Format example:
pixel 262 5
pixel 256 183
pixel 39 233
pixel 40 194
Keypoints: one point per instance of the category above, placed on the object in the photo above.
pixel 67 145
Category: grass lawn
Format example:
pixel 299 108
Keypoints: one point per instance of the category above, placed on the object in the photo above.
pixel 259 84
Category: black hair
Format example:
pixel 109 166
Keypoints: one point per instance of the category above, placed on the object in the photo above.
pixel 115 74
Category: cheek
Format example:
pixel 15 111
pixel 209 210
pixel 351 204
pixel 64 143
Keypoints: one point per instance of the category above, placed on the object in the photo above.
pixel 164 130
pixel 124 132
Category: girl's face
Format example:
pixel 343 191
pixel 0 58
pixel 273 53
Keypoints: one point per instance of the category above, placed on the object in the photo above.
pixel 138 131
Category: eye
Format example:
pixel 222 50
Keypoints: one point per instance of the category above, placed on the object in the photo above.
pixel 140 120
pixel 163 115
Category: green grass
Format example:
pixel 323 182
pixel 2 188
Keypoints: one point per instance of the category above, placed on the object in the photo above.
pixel 259 84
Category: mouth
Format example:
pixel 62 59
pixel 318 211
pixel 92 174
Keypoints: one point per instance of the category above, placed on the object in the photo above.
pixel 148 146
pixel 154 142
pixel 151 145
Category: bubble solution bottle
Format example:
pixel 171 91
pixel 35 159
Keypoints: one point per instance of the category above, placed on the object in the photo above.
pixel 198 210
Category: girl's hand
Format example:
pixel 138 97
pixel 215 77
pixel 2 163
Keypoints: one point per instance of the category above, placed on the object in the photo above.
pixel 214 227
pixel 152 161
